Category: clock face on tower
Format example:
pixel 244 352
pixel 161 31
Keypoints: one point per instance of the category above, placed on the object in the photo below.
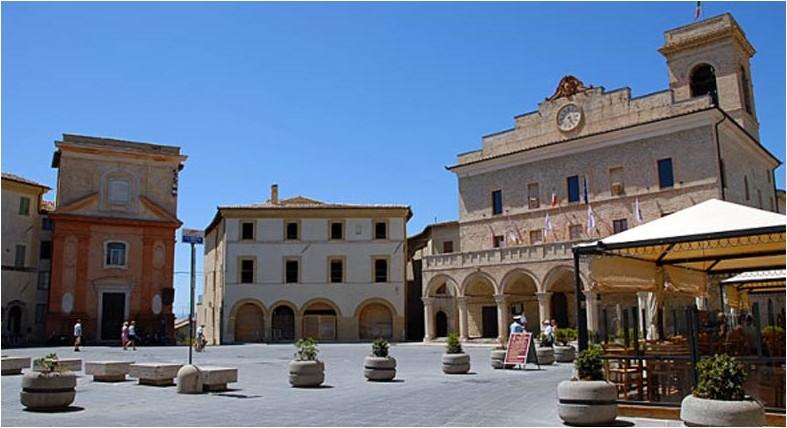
pixel 569 117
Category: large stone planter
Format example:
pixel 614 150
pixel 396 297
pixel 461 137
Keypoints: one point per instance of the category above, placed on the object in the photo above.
pixel 456 363
pixel 701 412
pixel 306 373
pixel 546 355
pixel 379 368
pixel 48 391
pixel 587 402
pixel 564 354
pixel 497 358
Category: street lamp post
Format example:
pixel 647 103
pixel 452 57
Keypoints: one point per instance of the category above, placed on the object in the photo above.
pixel 192 237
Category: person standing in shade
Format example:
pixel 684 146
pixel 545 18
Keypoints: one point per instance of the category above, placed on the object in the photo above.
pixel 517 326
pixel 132 335
pixel 77 335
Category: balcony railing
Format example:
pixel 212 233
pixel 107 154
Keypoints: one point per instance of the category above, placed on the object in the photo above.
pixel 494 256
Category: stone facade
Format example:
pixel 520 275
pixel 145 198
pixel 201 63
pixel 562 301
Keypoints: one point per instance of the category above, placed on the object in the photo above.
pixel 588 155
pixel 340 276
pixel 25 261
pixel 115 217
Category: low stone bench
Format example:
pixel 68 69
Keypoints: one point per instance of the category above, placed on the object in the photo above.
pixel 14 365
pixel 108 371
pixel 71 364
pixel 156 374
pixel 217 378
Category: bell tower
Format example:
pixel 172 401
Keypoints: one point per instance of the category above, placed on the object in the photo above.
pixel 712 58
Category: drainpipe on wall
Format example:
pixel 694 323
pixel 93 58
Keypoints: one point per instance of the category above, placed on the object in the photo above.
pixel 722 180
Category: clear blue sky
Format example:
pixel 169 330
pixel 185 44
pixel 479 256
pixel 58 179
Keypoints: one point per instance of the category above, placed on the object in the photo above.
pixel 351 102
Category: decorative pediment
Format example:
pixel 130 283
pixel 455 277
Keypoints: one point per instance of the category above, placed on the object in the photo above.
pixel 569 85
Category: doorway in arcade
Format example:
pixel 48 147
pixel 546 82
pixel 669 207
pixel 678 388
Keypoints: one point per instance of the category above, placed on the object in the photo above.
pixel 481 309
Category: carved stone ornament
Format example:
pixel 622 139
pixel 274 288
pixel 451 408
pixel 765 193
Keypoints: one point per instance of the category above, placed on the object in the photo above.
pixel 569 85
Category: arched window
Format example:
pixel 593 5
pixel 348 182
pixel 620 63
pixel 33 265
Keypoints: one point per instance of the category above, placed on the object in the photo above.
pixel 745 91
pixel 703 82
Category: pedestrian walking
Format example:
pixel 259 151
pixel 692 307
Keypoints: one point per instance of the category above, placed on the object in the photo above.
pixel 77 335
pixel 124 335
pixel 132 335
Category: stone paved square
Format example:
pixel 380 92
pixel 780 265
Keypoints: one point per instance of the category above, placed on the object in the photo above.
pixel 421 396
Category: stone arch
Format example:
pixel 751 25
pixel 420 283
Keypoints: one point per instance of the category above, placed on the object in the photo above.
pixel 559 282
pixel 520 289
pixel 478 294
pixel 375 319
pixel 320 319
pixel 283 321
pixel 475 278
pixel 511 278
pixel 702 81
pixel 320 300
pixel 247 320
pixel 439 280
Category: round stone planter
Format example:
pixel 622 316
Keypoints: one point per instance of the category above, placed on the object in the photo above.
pixel 48 391
pixel 456 363
pixel 497 358
pixel 306 373
pixel 546 355
pixel 379 368
pixel 590 402
pixel 701 412
pixel 564 354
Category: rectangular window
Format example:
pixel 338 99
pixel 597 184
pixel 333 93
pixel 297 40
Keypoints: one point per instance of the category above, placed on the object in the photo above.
pixel 337 230
pixel 533 196
pixel 746 187
pixel 536 237
pixel 116 254
pixel 575 232
pixel 46 223
pixel 616 187
pixel 247 271
pixel 19 259
pixel 24 206
pixel 337 270
pixel 497 202
pixel 291 271
pixel 247 231
pixel 40 313
pixel 665 173
pixel 380 270
pixel 46 250
pixel 380 230
pixel 292 230
pixel 573 188
pixel 448 246
pixel 498 241
pixel 43 280
pixel 619 225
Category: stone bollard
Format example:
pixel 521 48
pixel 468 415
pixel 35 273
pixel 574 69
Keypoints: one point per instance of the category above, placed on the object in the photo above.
pixel 189 380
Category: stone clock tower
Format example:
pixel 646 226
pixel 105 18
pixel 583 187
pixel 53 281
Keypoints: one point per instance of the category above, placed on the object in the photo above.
pixel 712 57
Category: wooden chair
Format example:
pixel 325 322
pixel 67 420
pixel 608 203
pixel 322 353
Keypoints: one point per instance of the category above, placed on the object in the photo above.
pixel 625 374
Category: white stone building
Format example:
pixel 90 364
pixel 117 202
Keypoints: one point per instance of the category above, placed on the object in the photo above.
pixel 578 167
pixel 293 268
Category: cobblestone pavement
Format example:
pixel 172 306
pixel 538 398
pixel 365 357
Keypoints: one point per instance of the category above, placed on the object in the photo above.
pixel 421 396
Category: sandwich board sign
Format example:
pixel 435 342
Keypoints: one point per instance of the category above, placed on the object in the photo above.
pixel 192 236
pixel 521 349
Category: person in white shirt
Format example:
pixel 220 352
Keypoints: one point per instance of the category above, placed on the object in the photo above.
pixel 549 334
pixel 77 335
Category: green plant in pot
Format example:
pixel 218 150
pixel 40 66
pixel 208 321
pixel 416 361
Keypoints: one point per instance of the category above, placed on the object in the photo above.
pixel 588 399
pixel 454 360
pixel 718 398
pixel 51 388
pixel 305 369
pixel 564 352
pixel 379 366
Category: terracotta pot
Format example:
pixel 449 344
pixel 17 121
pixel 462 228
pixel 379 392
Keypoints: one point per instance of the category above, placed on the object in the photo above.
pixel 456 363
pixel 48 391
pixel 306 373
pixel 587 402
pixel 701 412
pixel 379 368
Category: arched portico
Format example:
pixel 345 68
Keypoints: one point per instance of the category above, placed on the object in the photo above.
pixel 478 311
pixel 320 317
pixel 440 307
pixel 247 321
pixel 561 294
pixel 519 295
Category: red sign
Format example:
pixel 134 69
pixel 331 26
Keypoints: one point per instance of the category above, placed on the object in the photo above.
pixel 518 346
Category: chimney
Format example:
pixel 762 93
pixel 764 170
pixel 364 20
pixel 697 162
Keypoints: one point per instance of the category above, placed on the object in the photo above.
pixel 274 193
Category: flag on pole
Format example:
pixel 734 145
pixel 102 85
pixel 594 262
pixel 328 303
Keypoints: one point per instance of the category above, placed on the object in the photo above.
pixel 585 185
pixel 591 220
pixel 637 212
pixel 554 200
pixel 548 227
pixel 698 11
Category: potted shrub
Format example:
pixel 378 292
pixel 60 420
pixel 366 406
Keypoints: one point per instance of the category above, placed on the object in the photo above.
pixel 379 366
pixel 52 388
pixel 545 352
pixel 588 399
pixel 719 399
pixel 564 352
pixel 454 360
pixel 498 357
pixel 305 369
